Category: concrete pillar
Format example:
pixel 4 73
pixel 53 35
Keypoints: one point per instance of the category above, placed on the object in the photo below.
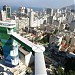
pixel 40 68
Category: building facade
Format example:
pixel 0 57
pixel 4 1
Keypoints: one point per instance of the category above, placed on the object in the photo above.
pixel 9 45
pixel 8 11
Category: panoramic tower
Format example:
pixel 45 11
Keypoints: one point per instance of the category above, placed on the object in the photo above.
pixel 9 39
pixel 9 45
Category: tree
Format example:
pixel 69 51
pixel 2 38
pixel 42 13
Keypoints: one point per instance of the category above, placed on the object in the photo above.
pixel 55 31
pixel 60 71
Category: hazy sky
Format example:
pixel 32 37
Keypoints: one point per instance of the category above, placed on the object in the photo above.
pixel 38 3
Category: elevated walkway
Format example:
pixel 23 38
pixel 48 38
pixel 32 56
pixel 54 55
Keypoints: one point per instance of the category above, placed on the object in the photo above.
pixel 23 41
pixel 40 68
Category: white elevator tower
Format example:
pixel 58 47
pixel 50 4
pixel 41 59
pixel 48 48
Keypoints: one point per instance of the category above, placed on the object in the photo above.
pixel 40 68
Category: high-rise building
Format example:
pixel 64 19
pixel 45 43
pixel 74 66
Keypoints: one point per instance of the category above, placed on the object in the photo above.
pixel 8 11
pixel 50 19
pixel 3 13
pixel 22 10
pixel 27 10
pixel 0 16
pixel 31 18
pixel 48 11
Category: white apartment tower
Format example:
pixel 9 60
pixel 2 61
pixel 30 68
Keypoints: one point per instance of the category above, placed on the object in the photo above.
pixel 31 18
pixel 3 15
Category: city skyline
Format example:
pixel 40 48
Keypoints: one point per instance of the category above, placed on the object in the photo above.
pixel 38 3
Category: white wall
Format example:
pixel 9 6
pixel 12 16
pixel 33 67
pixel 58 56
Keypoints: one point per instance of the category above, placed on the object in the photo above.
pixel 3 15
pixel 28 59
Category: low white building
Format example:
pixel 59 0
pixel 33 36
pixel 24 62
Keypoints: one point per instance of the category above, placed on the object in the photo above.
pixel 25 56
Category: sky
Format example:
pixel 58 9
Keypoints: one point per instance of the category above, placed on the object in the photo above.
pixel 37 3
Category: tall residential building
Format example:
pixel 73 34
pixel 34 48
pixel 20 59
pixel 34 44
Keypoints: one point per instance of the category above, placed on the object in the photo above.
pixel 31 18
pixel 50 19
pixel 8 11
pixel 48 11
pixel 22 10
pixel 0 16
pixel 27 10
pixel 3 15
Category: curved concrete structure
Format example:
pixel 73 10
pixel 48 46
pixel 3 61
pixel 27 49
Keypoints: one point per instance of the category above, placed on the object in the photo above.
pixel 9 39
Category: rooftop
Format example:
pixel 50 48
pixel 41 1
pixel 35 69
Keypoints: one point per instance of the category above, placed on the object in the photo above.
pixel 14 70
pixel 8 23
pixel 23 51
